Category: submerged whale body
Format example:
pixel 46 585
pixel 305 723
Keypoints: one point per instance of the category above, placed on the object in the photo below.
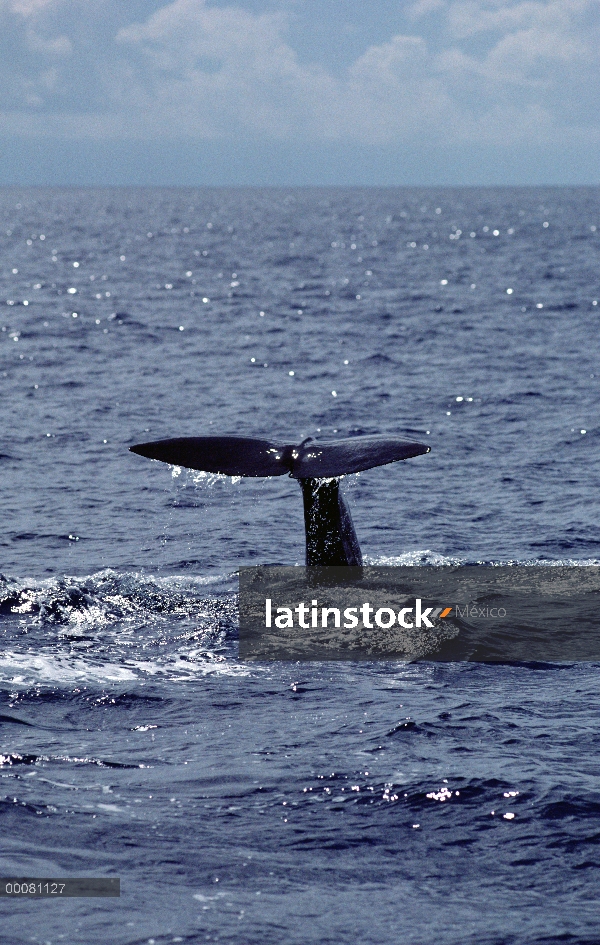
pixel 316 464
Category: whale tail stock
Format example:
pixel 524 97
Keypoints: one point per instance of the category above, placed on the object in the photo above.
pixel 330 535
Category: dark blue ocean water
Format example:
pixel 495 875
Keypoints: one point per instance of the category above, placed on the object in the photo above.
pixel 298 803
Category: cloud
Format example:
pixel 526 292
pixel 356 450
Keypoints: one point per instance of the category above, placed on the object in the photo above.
pixel 490 71
pixel 425 7
pixel 468 18
pixel 212 71
pixel 27 7
pixel 180 33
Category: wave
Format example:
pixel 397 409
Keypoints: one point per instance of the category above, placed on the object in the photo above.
pixel 427 557
pixel 115 628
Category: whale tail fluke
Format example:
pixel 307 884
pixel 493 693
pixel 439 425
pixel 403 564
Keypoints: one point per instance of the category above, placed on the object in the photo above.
pixel 316 464
pixel 311 459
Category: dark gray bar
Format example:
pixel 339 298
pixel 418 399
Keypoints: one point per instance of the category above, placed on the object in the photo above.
pixel 482 613
pixel 22 887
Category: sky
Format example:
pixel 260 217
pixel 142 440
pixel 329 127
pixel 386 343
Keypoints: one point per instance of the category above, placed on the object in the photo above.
pixel 299 92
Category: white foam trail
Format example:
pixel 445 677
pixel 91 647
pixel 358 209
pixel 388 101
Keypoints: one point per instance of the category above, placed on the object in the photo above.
pixel 27 669
pixel 427 557
pixel 413 559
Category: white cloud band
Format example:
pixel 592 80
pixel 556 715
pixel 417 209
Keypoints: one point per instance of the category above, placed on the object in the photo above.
pixel 490 71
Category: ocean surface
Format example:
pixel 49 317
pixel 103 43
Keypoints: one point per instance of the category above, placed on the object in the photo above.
pixel 258 804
